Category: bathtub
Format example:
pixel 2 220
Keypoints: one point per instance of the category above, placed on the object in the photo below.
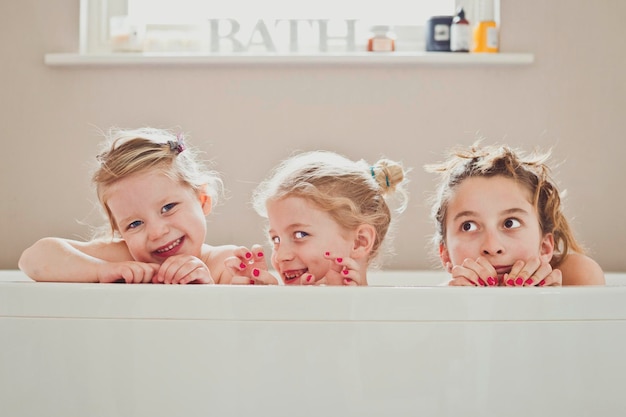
pixel 409 350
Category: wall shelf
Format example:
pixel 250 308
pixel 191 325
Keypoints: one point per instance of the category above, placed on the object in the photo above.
pixel 360 58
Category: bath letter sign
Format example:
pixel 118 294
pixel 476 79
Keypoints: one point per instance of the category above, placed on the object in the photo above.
pixel 281 35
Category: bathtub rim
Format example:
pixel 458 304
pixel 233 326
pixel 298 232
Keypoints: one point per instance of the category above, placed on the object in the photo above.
pixel 249 303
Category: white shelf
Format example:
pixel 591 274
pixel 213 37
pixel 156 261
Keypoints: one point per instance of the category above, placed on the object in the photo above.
pixel 360 58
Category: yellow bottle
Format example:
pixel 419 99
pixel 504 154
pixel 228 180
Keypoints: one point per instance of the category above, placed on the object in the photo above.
pixel 486 37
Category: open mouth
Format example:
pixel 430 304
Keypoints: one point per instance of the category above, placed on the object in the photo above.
pixel 170 248
pixel 501 270
pixel 291 276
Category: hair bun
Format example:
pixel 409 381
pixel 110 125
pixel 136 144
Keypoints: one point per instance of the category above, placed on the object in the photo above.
pixel 387 174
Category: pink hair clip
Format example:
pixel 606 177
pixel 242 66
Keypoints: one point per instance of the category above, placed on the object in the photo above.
pixel 177 146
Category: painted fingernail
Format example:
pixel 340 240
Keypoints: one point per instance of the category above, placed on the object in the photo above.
pixel 260 254
pixel 542 283
pixel 345 272
pixel 491 281
pixel 510 282
pixel 519 281
pixel 251 282
pixel 248 255
pixel 481 282
pixel 327 253
pixel 347 281
pixel 256 272
pixel 339 260
pixel 529 281
pixel 242 265
pixel 309 278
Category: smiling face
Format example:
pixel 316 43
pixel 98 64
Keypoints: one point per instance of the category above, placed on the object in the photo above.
pixel 301 234
pixel 157 216
pixel 492 217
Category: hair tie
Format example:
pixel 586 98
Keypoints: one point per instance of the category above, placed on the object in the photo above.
pixel 374 175
pixel 177 146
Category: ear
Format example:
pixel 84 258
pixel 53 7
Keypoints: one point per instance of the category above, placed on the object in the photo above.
pixel 443 254
pixel 547 247
pixel 364 238
pixel 205 201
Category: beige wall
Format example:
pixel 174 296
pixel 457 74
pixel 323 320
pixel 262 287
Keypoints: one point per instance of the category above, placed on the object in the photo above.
pixel 248 118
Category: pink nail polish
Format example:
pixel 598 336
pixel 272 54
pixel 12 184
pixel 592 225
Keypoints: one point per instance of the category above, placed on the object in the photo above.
pixel 481 282
pixel 256 272
pixel 519 281
pixel 345 272
pixel 242 265
pixel 510 282
pixel 542 283
pixel 260 254
pixel 339 260
pixel 529 281
pixel 248 255
pixel 309 278
pixel 327 253
pixel 251 282
pixel 491 281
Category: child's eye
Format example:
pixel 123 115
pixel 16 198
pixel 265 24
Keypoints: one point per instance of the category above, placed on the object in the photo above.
pixel 512 224
pixel 300 235
pixel 275 240
pixel 168 207
pixel 135 224
pixel 468 226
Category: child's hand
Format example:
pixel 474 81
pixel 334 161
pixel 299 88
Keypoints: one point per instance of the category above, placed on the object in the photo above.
pixel 248 267
pixel 183 269
pixel 476 273
pixel 130 272
pixel 343 271
pixel 533 272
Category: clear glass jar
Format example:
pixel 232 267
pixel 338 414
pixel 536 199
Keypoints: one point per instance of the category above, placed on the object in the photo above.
pixel 381 39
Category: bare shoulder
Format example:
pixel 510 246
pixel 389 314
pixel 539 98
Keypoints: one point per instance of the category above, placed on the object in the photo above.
pixel 579 269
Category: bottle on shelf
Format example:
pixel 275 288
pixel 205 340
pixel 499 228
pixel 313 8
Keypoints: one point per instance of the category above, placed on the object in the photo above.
pixel 381 39
pixel 460 33
pixel 486 29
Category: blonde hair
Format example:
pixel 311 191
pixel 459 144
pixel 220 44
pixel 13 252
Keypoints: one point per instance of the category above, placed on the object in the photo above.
pixel 531 171
pixel 128 152
pixel 352 193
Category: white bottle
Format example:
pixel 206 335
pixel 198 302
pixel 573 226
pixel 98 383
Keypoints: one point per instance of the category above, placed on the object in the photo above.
pixel 460 33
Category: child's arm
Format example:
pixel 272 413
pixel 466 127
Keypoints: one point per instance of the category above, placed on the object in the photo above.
pixel 64 260
pixel 579 269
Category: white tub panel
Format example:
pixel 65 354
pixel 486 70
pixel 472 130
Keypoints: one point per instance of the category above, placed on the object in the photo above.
pixel 151 350
pixel 62 367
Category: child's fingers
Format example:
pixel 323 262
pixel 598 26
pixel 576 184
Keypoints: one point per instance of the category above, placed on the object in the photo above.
pixel 554 279
pixel 527 271
pixel 307 279
pixel 349 273
pixel 259 254
pixel 466 272
pixel 461 282
pixel 336 261
pixel 241 280
pixel 542 272
pixel 263 277
pixel 235 265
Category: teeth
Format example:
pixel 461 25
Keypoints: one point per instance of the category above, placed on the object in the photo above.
pixel 170 247
pixel 294 275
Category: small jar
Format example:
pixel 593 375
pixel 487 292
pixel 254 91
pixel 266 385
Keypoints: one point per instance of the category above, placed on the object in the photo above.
pixel 381 39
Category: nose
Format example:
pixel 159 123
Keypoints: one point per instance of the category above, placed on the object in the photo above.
pixel 492 244
pixel 283 252
pixel 157 228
